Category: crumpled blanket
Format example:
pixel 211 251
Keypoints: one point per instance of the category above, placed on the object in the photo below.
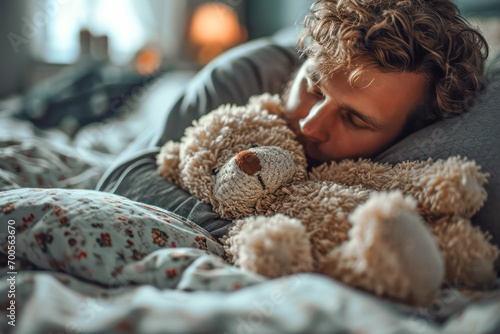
pixel 30 158
pixel 50 302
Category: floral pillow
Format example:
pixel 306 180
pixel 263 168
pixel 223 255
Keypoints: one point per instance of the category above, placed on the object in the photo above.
pixel 89 234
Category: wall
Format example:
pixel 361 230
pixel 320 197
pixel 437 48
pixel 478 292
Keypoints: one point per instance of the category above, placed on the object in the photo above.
pixel 487 8
pixel 264 17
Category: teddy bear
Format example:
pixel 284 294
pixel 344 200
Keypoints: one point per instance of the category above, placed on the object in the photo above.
pixel 395 231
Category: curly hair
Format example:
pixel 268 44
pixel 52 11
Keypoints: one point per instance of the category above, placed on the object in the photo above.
pixel 427 37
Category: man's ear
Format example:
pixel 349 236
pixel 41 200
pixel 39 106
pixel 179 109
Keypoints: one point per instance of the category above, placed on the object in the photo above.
pixel 168 162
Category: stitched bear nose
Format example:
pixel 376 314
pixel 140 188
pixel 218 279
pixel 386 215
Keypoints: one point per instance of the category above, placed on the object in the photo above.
pixel 248 162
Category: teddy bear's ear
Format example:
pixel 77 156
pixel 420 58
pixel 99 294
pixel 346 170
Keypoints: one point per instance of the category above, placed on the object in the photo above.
pixel 168 162
pixel 271 103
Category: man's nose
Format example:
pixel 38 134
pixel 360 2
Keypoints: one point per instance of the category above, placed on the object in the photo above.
pixel 316 125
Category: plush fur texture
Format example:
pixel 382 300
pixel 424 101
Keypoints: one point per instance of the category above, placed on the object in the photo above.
pixel 395 231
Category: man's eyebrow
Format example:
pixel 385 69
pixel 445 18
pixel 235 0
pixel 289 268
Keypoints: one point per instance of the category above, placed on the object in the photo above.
pixel 367 119
pixel 316 77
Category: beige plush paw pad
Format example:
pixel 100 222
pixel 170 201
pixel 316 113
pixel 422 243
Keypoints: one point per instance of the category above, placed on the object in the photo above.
pixel 271 246
pixel 390 250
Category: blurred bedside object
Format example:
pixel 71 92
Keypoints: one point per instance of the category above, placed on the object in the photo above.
pixel 93 89
pixel 111 30
pixel 148 60
pixel 92 48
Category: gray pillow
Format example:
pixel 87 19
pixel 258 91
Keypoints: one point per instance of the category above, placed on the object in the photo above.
pixel 475 135
pixel 254 68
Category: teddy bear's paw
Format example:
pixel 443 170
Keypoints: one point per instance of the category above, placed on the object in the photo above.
pixel 391 251
pixel 252 174
pixel 168 161
pixel 452 186
pixel 271 246
pixel 271 103
pixel 481 275
pixel 469 256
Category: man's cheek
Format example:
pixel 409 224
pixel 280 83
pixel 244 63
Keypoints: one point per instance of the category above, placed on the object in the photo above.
pixel 297 108
pixel 304 106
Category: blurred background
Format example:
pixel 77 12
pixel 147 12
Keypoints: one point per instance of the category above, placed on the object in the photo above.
pixel 65 50
pixel 40 37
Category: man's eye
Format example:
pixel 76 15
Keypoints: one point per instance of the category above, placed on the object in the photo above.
pixel 354 121
pixel 317 92
pixel 313 87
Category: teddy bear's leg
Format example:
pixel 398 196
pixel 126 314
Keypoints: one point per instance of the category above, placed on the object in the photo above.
pixel 270 246
pixel 468 255
pixel 390 251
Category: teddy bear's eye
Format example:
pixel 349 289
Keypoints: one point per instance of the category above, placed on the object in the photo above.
pixel 215 171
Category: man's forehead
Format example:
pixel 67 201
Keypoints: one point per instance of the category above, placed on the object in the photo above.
pixel 365 78
pixel 313 69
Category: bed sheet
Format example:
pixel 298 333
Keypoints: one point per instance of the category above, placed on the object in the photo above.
pixel 307 303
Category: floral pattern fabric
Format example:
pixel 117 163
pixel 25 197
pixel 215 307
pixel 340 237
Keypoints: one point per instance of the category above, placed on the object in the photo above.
pixel 103 237
pixel 30 159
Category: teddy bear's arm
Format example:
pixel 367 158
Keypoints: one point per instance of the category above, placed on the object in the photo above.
pixel 369 174
pixel 168 162
pixel 271 103
pixel 452 186
pixel 468 255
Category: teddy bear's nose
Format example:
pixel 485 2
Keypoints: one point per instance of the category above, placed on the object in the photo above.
pixel 248 162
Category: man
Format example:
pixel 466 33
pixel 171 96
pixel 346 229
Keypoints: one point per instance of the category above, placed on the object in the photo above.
pixel 378 70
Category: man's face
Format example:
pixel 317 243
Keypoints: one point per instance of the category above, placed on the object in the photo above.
pixel 335 121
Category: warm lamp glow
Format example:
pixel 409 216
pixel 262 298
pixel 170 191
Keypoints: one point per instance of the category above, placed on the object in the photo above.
pixel 214 28
pixel 148 61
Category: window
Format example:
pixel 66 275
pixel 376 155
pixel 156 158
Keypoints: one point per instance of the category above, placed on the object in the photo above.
pixel 128 24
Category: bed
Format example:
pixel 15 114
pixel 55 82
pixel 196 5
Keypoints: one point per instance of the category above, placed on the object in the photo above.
pixel 104 244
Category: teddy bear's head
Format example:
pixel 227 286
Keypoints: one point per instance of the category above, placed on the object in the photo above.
pixel 236 158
